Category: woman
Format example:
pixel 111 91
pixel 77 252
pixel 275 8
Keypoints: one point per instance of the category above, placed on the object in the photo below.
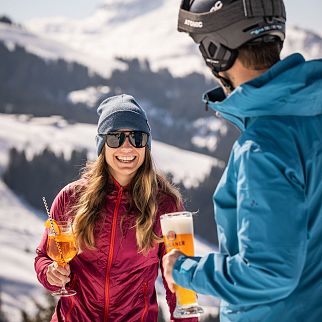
pixel 115 207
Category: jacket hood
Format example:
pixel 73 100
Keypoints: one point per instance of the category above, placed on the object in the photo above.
pixel 292 86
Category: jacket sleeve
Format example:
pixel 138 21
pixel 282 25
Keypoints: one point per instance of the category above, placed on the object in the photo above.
pixel 271 232
pixel 171 297
pixel 42 261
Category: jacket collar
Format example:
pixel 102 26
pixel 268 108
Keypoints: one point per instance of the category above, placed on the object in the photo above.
pixel 275 92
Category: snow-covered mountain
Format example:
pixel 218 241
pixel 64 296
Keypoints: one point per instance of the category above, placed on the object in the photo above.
pixel 131 28
pixel 123 28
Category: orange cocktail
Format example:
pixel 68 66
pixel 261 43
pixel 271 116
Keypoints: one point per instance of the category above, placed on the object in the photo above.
pixel 61 246
pixel 67 246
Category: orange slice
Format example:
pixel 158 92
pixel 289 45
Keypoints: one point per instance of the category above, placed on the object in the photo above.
pixel 52 224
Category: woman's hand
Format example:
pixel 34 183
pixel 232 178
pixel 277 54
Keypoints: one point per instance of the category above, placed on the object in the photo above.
pixel 58 275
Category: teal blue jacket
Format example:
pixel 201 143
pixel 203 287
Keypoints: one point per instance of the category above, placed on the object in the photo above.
pixel 268 204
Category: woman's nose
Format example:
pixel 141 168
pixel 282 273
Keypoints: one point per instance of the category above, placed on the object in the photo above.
pixel 126 143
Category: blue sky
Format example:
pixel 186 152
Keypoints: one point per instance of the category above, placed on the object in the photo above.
pixel 306 14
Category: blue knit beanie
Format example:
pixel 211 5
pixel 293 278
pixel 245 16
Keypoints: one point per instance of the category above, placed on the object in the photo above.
pixel 120 112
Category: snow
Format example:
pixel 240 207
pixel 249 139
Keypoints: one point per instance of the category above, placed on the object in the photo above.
pixel 35 134
pixel 303 41
pixel 20 231
pixel 123 28
pixel 50 49
pixel 208 130
pixel 88 96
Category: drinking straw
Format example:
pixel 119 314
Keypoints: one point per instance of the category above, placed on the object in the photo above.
pixel 53 229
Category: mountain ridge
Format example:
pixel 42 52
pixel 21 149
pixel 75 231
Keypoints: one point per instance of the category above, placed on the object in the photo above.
pixel 132 36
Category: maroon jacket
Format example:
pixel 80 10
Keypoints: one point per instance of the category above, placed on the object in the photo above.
pixel 113 282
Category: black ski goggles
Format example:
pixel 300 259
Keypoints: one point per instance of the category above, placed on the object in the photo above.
pixel 138 139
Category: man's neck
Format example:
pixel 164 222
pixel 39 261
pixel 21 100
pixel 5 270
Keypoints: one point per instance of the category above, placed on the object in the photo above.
pixel 238 74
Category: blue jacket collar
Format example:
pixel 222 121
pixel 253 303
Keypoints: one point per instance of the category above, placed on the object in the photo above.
pixel 281 90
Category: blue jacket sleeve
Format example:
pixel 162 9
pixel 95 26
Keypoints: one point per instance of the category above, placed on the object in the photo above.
pixel 271 225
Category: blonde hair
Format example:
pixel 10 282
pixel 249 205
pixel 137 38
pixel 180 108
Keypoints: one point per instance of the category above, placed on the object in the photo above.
pixel 144 190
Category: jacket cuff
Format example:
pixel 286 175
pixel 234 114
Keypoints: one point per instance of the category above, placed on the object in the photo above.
pixel 183 270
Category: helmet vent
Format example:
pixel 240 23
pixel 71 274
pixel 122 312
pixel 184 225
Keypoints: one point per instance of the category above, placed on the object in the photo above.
pixel 212 49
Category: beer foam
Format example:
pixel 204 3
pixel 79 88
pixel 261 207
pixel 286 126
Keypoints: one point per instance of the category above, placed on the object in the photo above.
pixel 178 224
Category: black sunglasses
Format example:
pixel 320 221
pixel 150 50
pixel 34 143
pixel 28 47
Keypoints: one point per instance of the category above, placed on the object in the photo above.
pixel 138 139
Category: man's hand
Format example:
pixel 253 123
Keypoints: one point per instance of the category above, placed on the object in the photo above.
pixel 168 263
pixel 58 275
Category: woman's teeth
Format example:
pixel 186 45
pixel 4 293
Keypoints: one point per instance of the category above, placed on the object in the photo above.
pixel 125 159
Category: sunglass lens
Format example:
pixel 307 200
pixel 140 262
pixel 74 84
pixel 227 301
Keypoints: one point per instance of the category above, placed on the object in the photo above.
pixel 138 139
pixel 115 140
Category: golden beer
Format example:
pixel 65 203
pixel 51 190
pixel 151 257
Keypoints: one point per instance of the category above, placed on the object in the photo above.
pixel 177 230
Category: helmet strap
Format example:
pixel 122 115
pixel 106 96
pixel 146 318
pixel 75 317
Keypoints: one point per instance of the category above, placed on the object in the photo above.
pixel 224 81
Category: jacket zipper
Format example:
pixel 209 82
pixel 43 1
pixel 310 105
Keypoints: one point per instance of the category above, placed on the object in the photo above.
pixel 72 304
pixel 111 253
pixel 145 309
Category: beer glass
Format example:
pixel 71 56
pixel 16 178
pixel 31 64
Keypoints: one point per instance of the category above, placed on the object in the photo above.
pixel 177 230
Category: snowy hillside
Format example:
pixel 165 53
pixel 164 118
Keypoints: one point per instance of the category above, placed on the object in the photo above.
pixel 20 230
pixel 123 28
pixel 49 49
pixel 34 134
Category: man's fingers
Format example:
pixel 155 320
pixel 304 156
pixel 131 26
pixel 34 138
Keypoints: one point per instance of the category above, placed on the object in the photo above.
pixel 168 261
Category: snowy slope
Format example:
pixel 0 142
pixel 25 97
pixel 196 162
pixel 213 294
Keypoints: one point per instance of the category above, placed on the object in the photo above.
pixel 34 134
pixel 50 49
pixel 20 231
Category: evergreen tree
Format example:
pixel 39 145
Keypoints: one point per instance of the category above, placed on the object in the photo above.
pixel 3 317
pixel 44 175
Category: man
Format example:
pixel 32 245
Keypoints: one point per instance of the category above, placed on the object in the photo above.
pixel 268 204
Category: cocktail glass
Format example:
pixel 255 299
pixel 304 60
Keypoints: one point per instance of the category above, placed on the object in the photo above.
pixel 61 247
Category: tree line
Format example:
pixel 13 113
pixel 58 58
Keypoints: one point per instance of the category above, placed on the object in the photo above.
pixel 31 85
